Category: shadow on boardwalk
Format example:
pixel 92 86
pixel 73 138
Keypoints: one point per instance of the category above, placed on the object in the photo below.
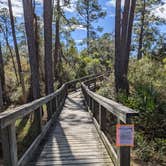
pixel 73 140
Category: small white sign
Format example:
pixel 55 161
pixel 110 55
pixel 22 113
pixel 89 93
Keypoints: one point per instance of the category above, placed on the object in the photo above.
pixel 124 135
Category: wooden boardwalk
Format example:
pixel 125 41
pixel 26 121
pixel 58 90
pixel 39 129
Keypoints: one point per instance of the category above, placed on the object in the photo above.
pixel 73 140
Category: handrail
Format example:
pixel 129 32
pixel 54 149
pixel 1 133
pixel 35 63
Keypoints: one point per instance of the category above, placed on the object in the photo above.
pixel 99 106
pixel 54 101
pixel 119 110
pixel 8 116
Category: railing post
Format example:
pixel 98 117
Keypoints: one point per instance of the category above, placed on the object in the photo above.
pixel 102 117
pixel 88 102
pixel 124 153
pixel 9 145
pixel 75 88
pixel 53 105
pixel 95 85
pixel 49 107
pixel 57 106
pixel 92 107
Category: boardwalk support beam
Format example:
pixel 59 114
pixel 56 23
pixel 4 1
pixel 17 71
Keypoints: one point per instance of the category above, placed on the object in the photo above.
pixel 9 145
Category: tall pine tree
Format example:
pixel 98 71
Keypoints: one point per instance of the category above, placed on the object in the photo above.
pixel 89 12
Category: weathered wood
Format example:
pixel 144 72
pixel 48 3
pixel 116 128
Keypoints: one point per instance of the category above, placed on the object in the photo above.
pixel 102 117
pixel 73 140
pixel 1 96
pixel 122 113
pixel 32 149
pixel 8 118
pixel 107 144
pixel 124 152
pixel 9 145
pixel 115 108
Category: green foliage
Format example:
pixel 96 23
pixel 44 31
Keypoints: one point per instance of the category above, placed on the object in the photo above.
pixel 149 71
pixel 107 88
pixel 148 150
pixel 89 12
pixel 100 58
pixel 147 79
pixel 152 37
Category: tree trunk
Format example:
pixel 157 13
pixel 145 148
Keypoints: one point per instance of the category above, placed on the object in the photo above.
pixel 2 73
pixel 57 43
pixel 1 96
pixel 139 56
pixel 20 72
pixel 117 44
pixel 12 57
pixel 30 33
pixel 129 37
pixel 2 79
pixel 48 49
pixel 122 44
pixel 88 28
pixel 28 15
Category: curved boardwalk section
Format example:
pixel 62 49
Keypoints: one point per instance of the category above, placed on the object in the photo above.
pixel 73 140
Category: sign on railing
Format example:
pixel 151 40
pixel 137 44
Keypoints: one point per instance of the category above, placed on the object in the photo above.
pixel 102 109
pixel 124 135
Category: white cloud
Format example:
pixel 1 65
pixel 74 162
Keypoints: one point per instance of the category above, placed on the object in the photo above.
pixel 78 27
pixel 160 11
pixel 72 7
pixel 113 3
pixel 79 41
pixel 16 6
pixel 75 27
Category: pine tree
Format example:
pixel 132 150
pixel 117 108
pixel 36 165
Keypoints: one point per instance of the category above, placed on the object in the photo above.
pixel 48 48
pixel 20 72
pixel 145 30
pixel 89 11
pixel 32 49
pixel 123 33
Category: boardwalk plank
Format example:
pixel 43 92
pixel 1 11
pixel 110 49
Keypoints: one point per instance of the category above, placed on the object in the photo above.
pixel 73 140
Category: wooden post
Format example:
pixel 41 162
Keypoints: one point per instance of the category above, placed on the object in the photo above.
pixel 89 102
pixel 100 121
pixel 124 153
pixel 9 145
pixel 49 107
pixel 75 87
pixel 53 105
pixel 57 106
pixel 1 96
pixel 55 100
pixel 41 111
pixel 102 117
pixel 93 107
pixel 124 156
pixel 95 85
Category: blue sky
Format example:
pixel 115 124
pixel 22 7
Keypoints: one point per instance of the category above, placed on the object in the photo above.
pixel 80 33
pixel 107 23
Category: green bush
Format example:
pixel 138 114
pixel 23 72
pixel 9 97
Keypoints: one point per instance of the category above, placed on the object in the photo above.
pixel 147 80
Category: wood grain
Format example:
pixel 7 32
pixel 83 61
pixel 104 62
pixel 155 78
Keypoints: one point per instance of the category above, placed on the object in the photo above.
pixel 73 140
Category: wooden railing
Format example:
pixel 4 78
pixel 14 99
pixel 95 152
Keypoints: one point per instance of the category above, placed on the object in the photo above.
pixel 54 101
pixel 106 114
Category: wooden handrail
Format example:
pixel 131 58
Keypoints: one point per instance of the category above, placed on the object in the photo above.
pixel 8 117
pixel 119 110
pixel 123 115
pixel 55 100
